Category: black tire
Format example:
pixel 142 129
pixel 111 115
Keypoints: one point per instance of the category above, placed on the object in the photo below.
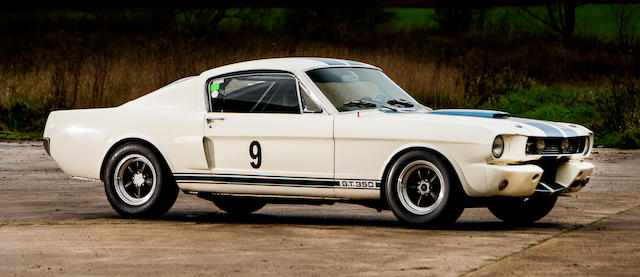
pixel 520 210
pixel 138 183
pixel 238 206
pixel 440 192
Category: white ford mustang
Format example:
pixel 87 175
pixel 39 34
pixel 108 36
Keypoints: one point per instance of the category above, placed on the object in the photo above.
pixel 317 130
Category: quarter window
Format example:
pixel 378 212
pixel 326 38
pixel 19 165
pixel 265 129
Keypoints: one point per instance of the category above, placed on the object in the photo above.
pixel 308 106
pixel 265 93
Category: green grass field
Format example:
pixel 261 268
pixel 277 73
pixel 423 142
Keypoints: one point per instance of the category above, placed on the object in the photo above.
pixel 591 20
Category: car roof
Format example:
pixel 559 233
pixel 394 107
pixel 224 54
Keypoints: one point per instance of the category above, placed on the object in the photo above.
pixel 286 64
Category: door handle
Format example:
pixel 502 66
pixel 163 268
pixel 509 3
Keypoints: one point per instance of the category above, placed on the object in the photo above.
pixel 211 119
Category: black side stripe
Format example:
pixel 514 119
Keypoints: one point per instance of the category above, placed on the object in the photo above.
pixel 271 181
pixel 230 179
pixel 249 175
pixel 178 174
pixel 274 185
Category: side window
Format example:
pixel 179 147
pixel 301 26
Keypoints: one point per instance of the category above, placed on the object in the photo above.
pixel 263 93
pixel 308 106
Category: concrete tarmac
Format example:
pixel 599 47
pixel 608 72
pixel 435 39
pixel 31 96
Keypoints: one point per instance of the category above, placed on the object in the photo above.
pixel 54 225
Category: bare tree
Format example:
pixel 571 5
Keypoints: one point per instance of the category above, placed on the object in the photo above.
pixel 560 17
pixel 627 17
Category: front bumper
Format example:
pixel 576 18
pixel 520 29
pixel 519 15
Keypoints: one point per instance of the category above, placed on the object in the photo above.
pixel 527 179
pixel 513 180
pixel 571 177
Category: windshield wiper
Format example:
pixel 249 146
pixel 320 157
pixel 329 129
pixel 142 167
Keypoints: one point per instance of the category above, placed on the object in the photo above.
pixel 402 102
pixel 367 104
pixel 360 103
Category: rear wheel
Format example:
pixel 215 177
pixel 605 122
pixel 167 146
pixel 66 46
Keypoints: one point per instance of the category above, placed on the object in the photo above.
pixel 238 206
pixel 420 190
pixel 519 210
pixel 138 183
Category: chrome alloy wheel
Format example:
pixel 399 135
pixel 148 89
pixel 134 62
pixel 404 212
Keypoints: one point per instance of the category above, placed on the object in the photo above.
pixel 420 187
pixel 135 179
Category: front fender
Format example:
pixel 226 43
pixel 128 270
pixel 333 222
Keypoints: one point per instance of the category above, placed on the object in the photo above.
pixel 477 173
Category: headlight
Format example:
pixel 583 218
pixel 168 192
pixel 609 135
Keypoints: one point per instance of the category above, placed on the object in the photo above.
pixel 498 147
pixel 540 145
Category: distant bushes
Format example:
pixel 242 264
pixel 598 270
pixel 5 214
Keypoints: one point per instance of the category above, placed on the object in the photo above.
pixel 549 103
pixel 620 116
pixel 21 118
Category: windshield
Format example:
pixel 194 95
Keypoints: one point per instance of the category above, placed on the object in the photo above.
pixel 351 89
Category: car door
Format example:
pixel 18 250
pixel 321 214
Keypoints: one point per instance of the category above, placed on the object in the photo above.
pixel 263 137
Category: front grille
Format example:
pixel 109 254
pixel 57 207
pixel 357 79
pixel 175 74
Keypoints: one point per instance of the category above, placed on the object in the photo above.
pixel 572 145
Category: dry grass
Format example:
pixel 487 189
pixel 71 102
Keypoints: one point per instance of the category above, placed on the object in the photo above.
pixel 119 75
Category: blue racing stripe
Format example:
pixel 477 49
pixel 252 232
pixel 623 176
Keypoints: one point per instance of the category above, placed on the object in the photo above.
pixel 551 129
pixel 356 63
pixel 330 61
pixel 568 131
pixel 474 113
pixel 548 129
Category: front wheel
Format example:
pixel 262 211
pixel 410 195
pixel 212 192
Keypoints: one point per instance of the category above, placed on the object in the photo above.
pixel 518 210
pixel 420 190
pixel 138 183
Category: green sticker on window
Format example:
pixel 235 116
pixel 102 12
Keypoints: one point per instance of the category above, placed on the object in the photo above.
pixel 214 87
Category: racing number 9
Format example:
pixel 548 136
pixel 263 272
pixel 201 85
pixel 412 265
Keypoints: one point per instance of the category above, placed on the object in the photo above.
pixel 256 155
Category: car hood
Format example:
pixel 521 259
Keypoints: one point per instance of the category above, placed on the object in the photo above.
pixel 540 128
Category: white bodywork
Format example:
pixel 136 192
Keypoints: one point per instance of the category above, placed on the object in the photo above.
pixel 337 155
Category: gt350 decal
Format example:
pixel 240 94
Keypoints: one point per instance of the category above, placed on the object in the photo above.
pixel 358 184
